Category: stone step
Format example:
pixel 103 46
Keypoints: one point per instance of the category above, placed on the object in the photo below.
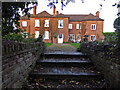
pixel 64 55
pixel 41 71
pixel 67 83
pixel 64 61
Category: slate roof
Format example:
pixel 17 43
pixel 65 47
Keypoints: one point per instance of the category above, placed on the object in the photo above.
pixel 24 18
pixel 72 17
pixel 81 17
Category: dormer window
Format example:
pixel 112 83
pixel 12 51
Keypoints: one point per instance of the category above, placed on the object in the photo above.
pixel 78 26
pixel 24 23
pixel 93 26
pixel 37 23
pixel 60 23
pixel 46 23
pixel 70 26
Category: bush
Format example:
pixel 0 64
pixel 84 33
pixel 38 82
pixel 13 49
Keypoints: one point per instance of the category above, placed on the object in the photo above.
pixel 110 36
pixel 22 37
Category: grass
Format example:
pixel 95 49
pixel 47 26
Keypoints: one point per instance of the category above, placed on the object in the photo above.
pixel 48 44
pixel 77 45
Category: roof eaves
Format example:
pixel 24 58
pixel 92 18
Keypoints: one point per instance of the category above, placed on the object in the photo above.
pixel 93 20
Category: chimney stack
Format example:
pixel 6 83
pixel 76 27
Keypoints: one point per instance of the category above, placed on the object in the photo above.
pixel 34 10
pixel 54 10
pixel 97 14
pixel 57 12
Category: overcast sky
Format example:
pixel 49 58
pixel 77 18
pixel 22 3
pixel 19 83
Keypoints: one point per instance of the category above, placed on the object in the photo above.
pixel 107 12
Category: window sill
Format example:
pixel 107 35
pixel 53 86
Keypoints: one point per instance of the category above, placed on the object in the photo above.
pixel 46 38
pixel 60 27
pixel 24 26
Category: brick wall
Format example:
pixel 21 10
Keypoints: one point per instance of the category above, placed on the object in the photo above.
pixel 110 69
pixel 18 59
pixel 97 32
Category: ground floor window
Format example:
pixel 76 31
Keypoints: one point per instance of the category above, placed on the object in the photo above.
pixel 93 37
pixel 60 36
pixel 36 34
pixel 46 36
pixel 24 35
pixel 71 37
pixel 78 37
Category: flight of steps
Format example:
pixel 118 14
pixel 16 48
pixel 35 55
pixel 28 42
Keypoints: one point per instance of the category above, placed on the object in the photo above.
pixel 64 70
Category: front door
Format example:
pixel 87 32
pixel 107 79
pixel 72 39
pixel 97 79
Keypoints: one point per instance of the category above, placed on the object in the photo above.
pixel 60 38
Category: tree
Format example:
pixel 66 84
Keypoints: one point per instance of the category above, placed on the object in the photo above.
pixel 11 15
pixel 117 26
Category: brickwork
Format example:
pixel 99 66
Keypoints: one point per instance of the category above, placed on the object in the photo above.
pixel 84 20
pixel 18 59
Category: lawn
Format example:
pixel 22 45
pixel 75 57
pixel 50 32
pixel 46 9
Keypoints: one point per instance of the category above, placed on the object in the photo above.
pixel 75 44
pixel 48 44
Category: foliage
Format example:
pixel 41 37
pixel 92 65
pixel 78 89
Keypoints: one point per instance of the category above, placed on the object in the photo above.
pixel 48 44
pixel 116 22
pixel 117 26
pixel 110 36
pixel 55 36
pixel 11 15
pixel 53 3
pixel 22 37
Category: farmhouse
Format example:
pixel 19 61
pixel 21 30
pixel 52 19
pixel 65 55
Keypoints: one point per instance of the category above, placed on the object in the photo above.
pixel 59 28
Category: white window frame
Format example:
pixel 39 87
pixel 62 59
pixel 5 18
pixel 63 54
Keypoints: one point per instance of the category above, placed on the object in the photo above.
pixel 23 34
pixel 72 39
pixel 36 36
pixel 94 26
pixel 46 23
pixel 91 38
pixel 46 36
pixel 70 26
pixel 37 23
pixel 24 23
pixel 78 26
pixel 60 22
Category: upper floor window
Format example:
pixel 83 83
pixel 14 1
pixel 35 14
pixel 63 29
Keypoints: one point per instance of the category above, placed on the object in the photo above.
pixel 36 34
pixel 60 23
pixel 46 36
pixel 37 23
pixel 93 26
pixel 46 23
pixel 93 37
pixel 24 23
pixel 78 26
pixel 70 26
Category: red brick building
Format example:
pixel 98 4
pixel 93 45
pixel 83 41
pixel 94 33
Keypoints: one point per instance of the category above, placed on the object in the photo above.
pixel 59 28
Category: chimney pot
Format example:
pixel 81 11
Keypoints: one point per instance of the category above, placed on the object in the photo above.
pixel 34 10
pixel 97 13
pixel 54 10
pixel 57 12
